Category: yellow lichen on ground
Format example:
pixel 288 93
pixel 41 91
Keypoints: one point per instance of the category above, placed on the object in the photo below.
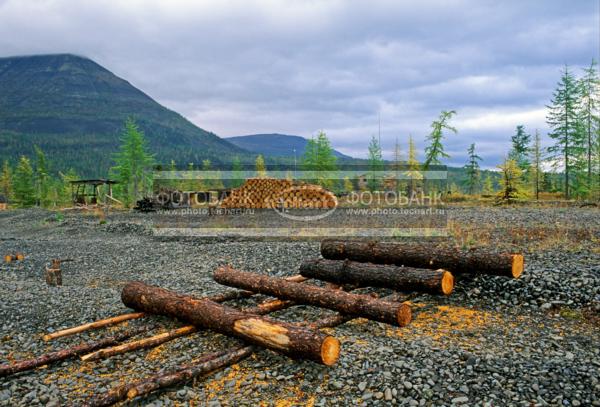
pixel 214 387
pixel 445 324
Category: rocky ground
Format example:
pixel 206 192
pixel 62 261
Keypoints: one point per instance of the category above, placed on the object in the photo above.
pixel 494 341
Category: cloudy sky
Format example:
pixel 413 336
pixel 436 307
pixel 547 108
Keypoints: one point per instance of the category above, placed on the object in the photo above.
pixel 297 67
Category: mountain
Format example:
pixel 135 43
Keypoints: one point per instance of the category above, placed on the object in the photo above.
pixel 276 145
pixel 74 109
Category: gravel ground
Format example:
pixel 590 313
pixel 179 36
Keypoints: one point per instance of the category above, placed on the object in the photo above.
pixel 494 341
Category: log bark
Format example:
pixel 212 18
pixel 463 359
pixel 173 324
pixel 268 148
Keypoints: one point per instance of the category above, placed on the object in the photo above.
pixel 421 255
pixel 282 337
pixel 227 296
pixel 337 300
pixel 63 354
pixel 379 275
pixel 156 340
pixel 203 366
pixel 92 325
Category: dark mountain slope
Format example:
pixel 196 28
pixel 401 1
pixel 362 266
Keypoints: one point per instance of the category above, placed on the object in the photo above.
pixel 74 110
pixel 276 145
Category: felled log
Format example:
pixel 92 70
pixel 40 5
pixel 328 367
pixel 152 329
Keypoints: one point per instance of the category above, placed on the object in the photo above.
pixel 203 366
pixel 139 344
pixel 156 340
pixel 93 325
pixel 282 337
pixel 230 295
pixel 420 255
pixel 379 275
pixel 337 300
pixel 63 354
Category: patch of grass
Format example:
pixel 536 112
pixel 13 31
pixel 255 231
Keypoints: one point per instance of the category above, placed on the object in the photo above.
pixel 569 313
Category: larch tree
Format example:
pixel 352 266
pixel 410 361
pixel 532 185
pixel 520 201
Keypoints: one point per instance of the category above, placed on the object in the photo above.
pixel 398 165
pixel 536 165
pixel 133 162
pixel 472 170
pixel 413 171
pixel 564 120
pixel 510 182
pixel 488 185
pixel 326 161
pixel 590 104
pixel 434 152
pixel 376 165
pixel 42 178
pixel 23 186
pixel 6 183
pixel 261 169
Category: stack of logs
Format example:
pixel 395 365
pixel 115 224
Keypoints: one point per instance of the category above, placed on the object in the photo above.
pixel 346 265
pixel 277 193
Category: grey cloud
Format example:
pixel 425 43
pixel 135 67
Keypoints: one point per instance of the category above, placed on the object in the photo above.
pixel 246 67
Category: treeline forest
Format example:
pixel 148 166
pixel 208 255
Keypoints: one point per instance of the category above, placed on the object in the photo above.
pixel 569 168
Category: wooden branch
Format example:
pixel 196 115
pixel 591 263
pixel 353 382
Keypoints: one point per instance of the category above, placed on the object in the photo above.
pixel 280 336
pixel 430 256
pixel 379 275
pixel 139 344
pixel 337 300
pixel 93 325
pixel 63 354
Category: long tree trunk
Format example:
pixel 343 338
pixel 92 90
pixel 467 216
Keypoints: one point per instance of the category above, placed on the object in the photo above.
pixel 156 340
pixel 204 365
pixel 337 300
pixel 283 337
pixel 426 256
pixel 379 275
pixel 63 354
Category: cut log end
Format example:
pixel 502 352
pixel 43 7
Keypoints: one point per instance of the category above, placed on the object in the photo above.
pixel 518 264
pixel 404 315
pixel 8 258
pixel 447 282
pixel 132 393
pixel 330 351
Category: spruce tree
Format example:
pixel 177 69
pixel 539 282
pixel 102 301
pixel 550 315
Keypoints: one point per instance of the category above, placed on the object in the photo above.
pixel 520 148
pixel 564 120
pixel 133 162
pixel 472 170
pixel 23 186
pixel 376 167
pixel 434 152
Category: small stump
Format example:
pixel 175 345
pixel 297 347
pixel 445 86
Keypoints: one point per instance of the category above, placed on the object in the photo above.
pixel 53 273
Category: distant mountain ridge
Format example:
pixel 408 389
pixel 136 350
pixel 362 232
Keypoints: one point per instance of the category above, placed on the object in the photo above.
pixel 275 144
pixel 74 109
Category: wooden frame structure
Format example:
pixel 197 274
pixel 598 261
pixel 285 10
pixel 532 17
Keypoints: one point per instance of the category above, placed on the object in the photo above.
pixel 84 192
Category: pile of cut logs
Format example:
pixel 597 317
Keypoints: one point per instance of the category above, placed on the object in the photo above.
pixel 277 193
pixel 346 266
